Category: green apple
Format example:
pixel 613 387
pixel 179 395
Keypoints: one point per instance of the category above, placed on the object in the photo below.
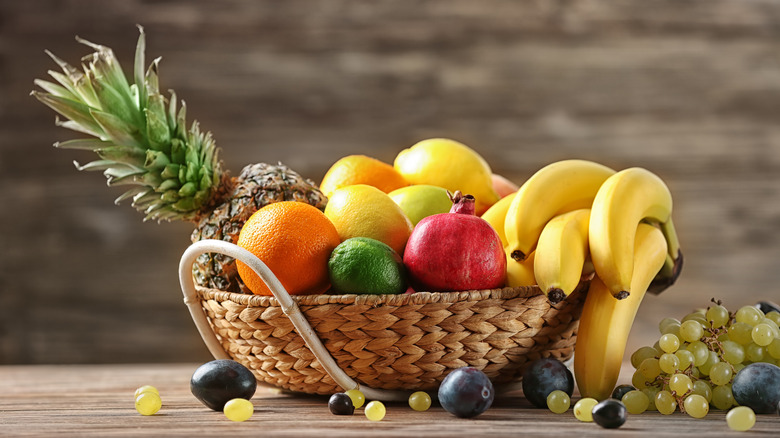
pixel 421 200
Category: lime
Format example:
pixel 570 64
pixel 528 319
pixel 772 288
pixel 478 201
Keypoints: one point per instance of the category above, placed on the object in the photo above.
pixel 421 200
pixel 362 265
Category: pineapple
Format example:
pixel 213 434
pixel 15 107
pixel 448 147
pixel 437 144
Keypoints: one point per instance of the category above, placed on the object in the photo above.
pixel 173 172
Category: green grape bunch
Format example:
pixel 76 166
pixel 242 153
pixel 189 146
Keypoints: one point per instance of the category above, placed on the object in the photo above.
pixel 692 365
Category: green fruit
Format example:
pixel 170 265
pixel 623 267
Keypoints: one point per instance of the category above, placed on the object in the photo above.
pixel 361 265
pixel 421 200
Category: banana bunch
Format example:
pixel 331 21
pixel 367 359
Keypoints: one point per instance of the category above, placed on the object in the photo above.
pixel 577 220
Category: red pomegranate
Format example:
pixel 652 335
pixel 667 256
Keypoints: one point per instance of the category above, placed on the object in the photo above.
pixel 455 251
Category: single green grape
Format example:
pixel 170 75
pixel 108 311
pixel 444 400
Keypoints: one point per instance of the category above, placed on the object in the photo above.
pixel 375 411
pixel 691 330
pixel 238 409
pixel 774 316
pixel 740 332
pixel 762 334
pixel 651 392
pixel 641 354
pixel 669 343
pixel 357 397
pixel 733 352
pixel 717 315
pixel 680 384
pixel 583 409
pixel 148 403
pixel 666 323
pixel 669 363
pixel 750 315
pixel 558 401
pixel 638 380
pixel 636 402
pixel 700 352
pixel 720 373
pixel 665 402
pixel 650 368
pixel 774 348
pixel 696 316
pixel 722 398
pixel 703 389
pixel 754 352
pixel 712 359
pixel 684 357
pixel 145 388
pixel 696 406
pixel 741 418
pixel 420 401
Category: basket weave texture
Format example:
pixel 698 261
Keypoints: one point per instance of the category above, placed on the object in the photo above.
pixel 404 342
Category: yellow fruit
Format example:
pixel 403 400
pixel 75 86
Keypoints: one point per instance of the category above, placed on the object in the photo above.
pixel 360 169
pixel 446 163
pixel 365 211
pixel 421 200
pixel 496 214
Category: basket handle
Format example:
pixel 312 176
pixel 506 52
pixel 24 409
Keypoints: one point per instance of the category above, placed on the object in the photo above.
pixel 288 305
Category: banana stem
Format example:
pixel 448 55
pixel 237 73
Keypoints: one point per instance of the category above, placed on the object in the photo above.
pixel 670 234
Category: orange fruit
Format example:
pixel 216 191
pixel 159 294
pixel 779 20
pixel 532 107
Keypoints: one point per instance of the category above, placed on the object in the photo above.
pixel 294 240
pixel 365 211
pixel 361 169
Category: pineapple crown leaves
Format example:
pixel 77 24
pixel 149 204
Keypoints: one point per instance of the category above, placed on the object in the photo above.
pixel 138 134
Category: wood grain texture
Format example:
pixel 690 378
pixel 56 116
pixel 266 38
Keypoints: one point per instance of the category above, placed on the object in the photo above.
pixel 690 90
pixel 97 401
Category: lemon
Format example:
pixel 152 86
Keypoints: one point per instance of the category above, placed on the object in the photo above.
pixel 447 163
pixel 361 210
pixel 366 266
pixel 421 200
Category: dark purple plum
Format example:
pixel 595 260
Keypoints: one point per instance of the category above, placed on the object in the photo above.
pixel 219 381
pixel 758 387
pixel 466 392
pixel 610 413
pixel 544 376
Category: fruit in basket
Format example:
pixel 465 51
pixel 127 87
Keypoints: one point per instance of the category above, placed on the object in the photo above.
pixel 496 214
pixel 447 163
pixel 421 200
pixel 625 199
pixel 294 240
pixel 466 392
pixel 365 211
pixel 503 186
pixel 361 169
pixel 561 253
pixel 544 376
pixel 455 251
pixel 554 189
pixel 366 266
pixel 758 387
pixel 219 381
pixel 606 322
pixel 173 172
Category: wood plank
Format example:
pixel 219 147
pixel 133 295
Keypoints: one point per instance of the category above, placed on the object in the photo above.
pixel 97 400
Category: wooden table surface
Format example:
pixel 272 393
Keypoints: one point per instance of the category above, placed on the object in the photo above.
pixel 97 400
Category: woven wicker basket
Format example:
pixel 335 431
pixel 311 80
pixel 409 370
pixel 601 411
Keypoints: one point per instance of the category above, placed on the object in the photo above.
pixel 387 345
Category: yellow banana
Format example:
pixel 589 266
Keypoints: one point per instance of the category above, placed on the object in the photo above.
pixel 605 323
pixel 626 198
pixel 554 189
pixel 561 253
pixel 520 273
pixel 496 214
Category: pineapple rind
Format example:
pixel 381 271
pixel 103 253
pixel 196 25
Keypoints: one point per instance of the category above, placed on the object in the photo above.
pixel 142 137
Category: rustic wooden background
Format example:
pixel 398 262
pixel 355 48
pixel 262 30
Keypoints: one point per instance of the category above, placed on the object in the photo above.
pixel 688 89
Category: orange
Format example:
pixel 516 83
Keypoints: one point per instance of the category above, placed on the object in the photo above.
pixel 361 210
pixel 294 240
pixel 360 169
